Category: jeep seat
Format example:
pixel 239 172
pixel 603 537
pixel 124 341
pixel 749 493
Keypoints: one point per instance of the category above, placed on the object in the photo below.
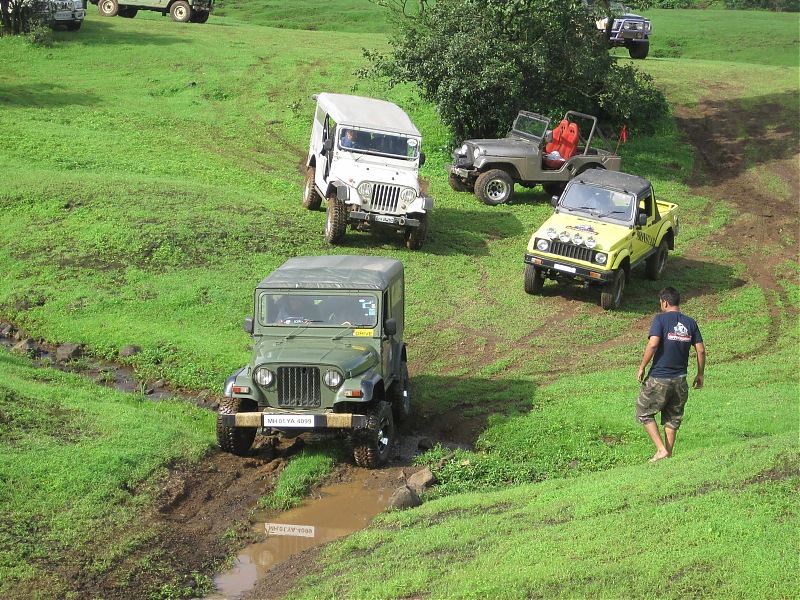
pixel 568 145
pixel 558 134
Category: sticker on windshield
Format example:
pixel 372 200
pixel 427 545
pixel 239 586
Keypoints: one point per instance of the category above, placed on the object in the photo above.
pixel 363 332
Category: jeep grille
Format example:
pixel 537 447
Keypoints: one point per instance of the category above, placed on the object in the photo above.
pixel 385 197
pixel 571 251
pixel 298 387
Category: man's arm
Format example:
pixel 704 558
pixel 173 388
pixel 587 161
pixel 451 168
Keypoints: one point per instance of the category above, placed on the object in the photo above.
pixel 700 349
pixel 649 351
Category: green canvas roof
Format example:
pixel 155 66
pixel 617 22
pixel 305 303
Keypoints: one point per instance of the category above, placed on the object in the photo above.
pixel 334 272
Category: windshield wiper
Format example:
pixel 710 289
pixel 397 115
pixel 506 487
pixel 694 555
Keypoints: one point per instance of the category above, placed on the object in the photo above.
pixel 302 326
pixel 613 212
pixel 574 208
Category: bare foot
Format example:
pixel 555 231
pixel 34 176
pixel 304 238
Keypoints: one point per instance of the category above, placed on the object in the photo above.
pixel 659 456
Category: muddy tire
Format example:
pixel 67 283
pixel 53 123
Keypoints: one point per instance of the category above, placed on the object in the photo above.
pixel 236 440
pixel 456 183
pixel 494 187
pixel 181 12
pixel 400 396
pixel 639 50
pixel 611 296
pixel 335 220
pixel 655 265
pixel 128 12
pixel 534 280
pixel 311 198
pixel 108 8
pixel 372 446
pixel 554 188
pixel 415 236
pixel 200 16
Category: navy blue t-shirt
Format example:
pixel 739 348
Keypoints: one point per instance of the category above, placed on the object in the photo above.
pixel 678 334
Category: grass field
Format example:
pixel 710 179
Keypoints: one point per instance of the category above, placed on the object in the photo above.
pixel 152 179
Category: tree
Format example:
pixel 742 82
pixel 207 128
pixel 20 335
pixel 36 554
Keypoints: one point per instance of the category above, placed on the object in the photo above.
pixel 481 61
pixel 20 16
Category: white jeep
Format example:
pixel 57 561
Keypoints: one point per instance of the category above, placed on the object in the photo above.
pixel 364 159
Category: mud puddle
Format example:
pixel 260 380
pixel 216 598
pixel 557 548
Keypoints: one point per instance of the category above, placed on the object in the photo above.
pixel 333 512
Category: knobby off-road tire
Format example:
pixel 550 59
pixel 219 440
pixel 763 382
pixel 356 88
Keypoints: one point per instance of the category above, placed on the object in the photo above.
pixel 456 183
pixel 335 220
pixel 311 198
pixel 415 236
pixel 639 50
pixel 400 396
pixel 655 265
pixel 372 446
pixel 534 280
pixel 128 12
pixel 200 16
pixel 611 296
pixel 494 187
pixel 181 12
pixel 108 8
pixel 236 440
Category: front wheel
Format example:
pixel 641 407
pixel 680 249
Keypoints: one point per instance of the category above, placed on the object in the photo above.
pixel 639 50
pixel 108 8
pixel 611 296
pixel 180 11
pixel 335 221
pixel 534 280
pixel 372 445
pixel 311 198
pixel 236 440
pixel 494 187
pixel 456 183
pixel 655 265
pixel 74 25
pixel 416 235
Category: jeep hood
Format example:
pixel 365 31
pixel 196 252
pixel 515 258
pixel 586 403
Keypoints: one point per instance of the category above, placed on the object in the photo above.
pixel 608 235
pixel 510 146
pixel 352 359
pixel 376 169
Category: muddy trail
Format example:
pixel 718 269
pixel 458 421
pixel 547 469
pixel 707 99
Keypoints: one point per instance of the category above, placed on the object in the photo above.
pixel 205 512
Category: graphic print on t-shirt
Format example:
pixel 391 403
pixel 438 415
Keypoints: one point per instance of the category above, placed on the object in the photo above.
pixel 679 334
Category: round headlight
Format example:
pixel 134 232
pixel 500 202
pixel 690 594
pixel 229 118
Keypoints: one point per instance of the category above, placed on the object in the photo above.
pixel 263 376
pixel 564 236
pixel 600 258
pixel 577 239
pixel 333 379
pixel 543 245
pixel 408 195
pixel 365 189
pixel 464 149
pixel 551 233
pixel 478 152
pixel 591 242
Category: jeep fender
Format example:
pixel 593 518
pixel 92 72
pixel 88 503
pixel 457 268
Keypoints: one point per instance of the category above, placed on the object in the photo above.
pixel 227 389
pixel 342 191
pixel 624 263
pixel 372 386
pixel 667 234
pixel 509 168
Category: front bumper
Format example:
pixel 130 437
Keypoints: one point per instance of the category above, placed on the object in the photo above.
pixel 566 269
pixel 390 220
pixel 271 419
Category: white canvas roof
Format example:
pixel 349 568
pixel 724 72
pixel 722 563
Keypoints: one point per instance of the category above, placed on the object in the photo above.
pixel 369 113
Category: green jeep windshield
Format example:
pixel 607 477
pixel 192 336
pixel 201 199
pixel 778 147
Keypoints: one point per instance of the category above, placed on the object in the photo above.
pixel 318 310
pixel 531 125
pixel 599 203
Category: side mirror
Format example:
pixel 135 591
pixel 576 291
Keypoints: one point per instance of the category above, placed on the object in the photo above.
pixel 642 219
pixel 554 200
pixel 248 325
pixel 421 158
pixel 390 326
pixel 327 146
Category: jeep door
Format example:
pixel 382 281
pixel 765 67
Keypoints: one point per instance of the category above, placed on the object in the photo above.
pixel 323 135
pixel 644 242
pixel 391 346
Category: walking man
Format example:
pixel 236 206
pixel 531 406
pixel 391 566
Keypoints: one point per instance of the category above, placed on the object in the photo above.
pixel 665 389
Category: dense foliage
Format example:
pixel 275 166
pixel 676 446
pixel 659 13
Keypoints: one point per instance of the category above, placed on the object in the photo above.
pixel 481 61
pixel 774 5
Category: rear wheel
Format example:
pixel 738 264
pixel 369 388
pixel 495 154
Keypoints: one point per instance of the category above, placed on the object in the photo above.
pixel 108 8
pixel 335 220
pixel 416 235
pixel 200 16
pixel 656 264
pixel 128 12
pixel 311 198
pixel 534 280
pixel 494 187
pixel 180 11
pixel 639 50
pixel 611 296
pixel 236 440
pixel 372 445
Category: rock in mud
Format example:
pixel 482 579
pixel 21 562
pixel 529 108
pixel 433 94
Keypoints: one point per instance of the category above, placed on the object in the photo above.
pixel 402 498
pixel 67 352
pixel 421 480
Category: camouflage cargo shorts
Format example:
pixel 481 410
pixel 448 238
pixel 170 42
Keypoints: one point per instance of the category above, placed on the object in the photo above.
pixel 667 396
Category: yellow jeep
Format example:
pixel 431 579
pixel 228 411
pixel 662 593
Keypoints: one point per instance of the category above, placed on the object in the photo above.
pixel 605 224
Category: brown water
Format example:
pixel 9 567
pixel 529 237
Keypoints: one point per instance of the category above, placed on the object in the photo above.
pixel 334 512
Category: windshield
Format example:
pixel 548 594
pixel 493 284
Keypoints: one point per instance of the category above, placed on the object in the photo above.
pixel 318 310
pixel 599 203
pixel 382 144
pixel 531 125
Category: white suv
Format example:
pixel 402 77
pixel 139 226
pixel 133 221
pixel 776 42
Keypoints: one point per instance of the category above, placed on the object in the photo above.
pixel 69 13
pixel 364 159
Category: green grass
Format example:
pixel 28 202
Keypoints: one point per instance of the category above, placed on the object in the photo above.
pixel 156 179
pixel 299 475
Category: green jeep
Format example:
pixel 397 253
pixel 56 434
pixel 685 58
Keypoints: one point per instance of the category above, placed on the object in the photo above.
pixel 328 356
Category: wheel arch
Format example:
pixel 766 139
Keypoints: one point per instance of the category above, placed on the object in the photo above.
pixel 508 168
